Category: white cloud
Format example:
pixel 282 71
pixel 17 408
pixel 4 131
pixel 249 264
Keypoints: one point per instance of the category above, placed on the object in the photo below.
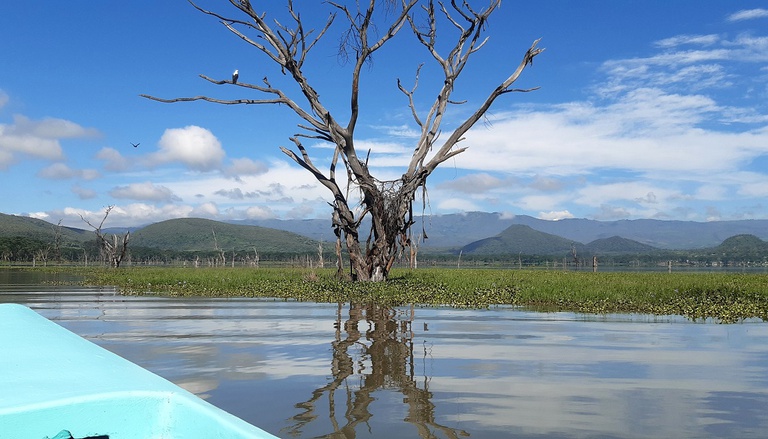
pixel 37 139
pixel 235 193
pixel 83 193
pixel 205 210
pixel 458 205
pixel 50 128
pixel 146 191
pixel 304 210
pixel 193 146
pixel 259 212
pixel 3 98
pixel 481 182
pixel 405 131
pixel 754 190
pixel 634 192
pixel 60 171
pixel 748 14
pixel 245 166
pixel 547 184
pixel 539 202
pixel 6 159
pixel 555 215
pixel 644 131
pixel 113 160
pixel 12 143
pixel 704 40
pixel 122 215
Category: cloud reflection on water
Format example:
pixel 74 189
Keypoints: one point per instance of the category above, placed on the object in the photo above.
pixel 317 369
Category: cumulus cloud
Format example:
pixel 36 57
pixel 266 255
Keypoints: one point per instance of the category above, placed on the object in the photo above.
pixel 458 205
pixel 236 194
pixel 301 211
pixel 245 166
pixel 193 146
pixel 37 139
pixel 547 184
pixel 113 160
pixel 12 142
pixel 474 183
pixel 748 14
pixel 608 213
pixel 146 191
pixel 83 193
pixel 646 130
pixel 205 210
pixel 259 212
pixel 50 128
pixel 60 171
pixel 555 215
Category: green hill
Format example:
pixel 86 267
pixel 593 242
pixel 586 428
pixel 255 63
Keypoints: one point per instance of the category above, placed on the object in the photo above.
pixel 742 247
pixel 196 234
pixel 617 245
pixel 522 239
pixel 12 226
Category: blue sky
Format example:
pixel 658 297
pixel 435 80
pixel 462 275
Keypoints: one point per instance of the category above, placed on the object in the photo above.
pixel 647 109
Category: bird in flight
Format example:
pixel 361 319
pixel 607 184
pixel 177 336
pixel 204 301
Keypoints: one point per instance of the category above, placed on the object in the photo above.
pixel 135 145
pixel 234 77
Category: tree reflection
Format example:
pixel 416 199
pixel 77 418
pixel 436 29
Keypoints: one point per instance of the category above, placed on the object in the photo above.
pixel 381 358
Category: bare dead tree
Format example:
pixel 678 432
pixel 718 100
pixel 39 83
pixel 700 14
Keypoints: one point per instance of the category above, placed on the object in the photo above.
pixel 115 248
pixel 389 203
pixel 222 258
pixel 57 240
pixel 320 258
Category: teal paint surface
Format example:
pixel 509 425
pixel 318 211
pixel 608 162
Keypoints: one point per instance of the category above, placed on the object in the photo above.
pixel 52 380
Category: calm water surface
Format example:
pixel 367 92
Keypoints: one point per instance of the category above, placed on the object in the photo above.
pixel 301 370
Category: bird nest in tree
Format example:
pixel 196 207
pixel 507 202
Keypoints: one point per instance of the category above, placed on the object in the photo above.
pixel 395 205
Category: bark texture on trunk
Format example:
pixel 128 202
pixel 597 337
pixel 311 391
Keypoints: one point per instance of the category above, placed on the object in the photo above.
pixel 367 27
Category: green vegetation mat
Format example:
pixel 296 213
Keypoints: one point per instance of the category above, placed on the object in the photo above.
pixel 722 297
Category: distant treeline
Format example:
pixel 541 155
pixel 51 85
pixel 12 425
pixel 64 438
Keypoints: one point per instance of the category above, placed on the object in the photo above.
pixel 25 250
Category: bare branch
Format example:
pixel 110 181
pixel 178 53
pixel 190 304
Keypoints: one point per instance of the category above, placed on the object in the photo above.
pixel 443 153
pixel 410 93
pixel 389 203
pixel 365 51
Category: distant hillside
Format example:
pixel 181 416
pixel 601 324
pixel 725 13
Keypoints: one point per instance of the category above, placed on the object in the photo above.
pixel 15 226
pixel 616 245
pixel 677 235
pixel 518 239
pixel 457 230
pixel 741 247
pixel 522 239
pixel 196 234
pixel 447 232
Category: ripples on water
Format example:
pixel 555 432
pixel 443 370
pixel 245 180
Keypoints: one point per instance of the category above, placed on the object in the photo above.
pixel 329 370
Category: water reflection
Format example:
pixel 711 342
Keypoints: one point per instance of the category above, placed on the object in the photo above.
pixel 380 357
pixel 326 370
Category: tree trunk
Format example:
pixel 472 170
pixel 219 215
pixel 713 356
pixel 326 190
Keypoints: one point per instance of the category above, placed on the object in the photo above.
pixel 368 28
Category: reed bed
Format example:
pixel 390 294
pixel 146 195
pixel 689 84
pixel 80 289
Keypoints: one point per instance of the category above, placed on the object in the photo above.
pixel 718 296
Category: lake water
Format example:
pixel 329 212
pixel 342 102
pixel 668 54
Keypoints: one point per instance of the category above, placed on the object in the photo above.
pixel 301 370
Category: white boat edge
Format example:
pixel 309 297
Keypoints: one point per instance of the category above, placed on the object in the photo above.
pixel 53 380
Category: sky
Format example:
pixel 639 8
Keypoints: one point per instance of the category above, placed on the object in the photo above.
pixel 645 109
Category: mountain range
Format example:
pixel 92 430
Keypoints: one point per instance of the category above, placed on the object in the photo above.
pixel 521 239
pixel 458 230
pixel 470 233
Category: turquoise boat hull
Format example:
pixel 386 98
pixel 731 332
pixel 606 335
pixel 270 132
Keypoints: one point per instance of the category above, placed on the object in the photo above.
pixel 54 381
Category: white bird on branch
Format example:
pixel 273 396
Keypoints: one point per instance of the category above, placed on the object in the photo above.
pixel 234 77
